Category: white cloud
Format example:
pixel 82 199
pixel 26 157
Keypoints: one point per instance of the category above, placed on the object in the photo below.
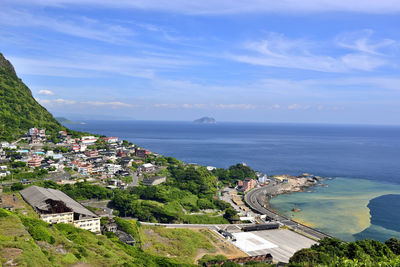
pixel 112 103
pixel 46 92
pixel 362 41
pixel 206 106
pixel 276 106
pixel 58 101
pixel 278 51
pixel 61 101
pixel 212 7
pixel 89 65
pixel 75 26
pixel 235 106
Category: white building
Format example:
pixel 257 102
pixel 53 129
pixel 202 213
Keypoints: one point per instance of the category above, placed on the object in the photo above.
pixel 53 206
pixel 147 167
pixel 263 179
pixel 211 168
pixel 4 144
pixel 113 168
pixel 111 139
pixel 88 140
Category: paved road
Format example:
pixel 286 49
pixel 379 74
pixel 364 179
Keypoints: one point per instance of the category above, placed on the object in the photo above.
pixel 226 227
pixel 257 198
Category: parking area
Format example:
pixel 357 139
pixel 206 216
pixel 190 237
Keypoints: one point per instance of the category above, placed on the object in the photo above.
pixel 281 243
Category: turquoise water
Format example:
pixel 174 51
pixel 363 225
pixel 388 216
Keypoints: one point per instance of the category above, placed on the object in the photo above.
pixel 349 209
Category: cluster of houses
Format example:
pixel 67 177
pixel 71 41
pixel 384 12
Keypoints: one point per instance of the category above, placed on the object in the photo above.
pixel 36 136
pixel 103 160
pixel 249 183
pixel 113 161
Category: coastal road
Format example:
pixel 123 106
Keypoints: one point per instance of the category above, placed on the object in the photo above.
pixel 257 198
pixel 226 227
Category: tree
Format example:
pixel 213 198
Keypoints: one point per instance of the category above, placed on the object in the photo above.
pixel 394 245
pixel 17 187
pixel 230 214
pixel 18 164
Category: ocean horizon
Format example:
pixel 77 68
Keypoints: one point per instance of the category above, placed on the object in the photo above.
pixel 362 159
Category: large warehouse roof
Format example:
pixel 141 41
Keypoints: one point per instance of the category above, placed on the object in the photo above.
pixel 37 196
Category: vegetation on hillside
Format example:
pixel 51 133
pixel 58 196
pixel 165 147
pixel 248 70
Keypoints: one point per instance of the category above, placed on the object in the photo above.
pixel 180 244
pixel 234 173
pixel 28 241
pixel 19 111
pixel 333 252
pixel 188 190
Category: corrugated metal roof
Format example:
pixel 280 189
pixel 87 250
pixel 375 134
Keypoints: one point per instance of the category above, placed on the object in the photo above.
pixel 36 197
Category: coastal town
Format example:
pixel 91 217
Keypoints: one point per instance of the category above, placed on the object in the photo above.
pixel 117 164
pixel 103 160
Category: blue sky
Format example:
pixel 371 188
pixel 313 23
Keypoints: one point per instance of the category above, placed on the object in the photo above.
pixel 266 61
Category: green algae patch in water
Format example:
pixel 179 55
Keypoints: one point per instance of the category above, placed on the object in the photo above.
pixel 340 209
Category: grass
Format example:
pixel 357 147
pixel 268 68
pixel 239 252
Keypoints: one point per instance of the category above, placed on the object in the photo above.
pixel 180 244
pixel 29 241
pixel 67 245
pixel 14 235
pixel 174 207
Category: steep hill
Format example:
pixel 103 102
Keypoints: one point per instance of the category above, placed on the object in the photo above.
pixel 19 111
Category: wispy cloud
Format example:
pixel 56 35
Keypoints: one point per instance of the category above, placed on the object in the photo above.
pixel 112 103
pixel 206 106
pixel 82 27
pixel 58 101
pixel 83 65
pixel 46 92
pixel 233 106
pixel 362 41
pixel 278 51
pixel 211 7
pixel 61 101
pixel 298 107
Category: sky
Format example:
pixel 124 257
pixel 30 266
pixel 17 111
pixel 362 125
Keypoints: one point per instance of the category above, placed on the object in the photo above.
pixel 302 61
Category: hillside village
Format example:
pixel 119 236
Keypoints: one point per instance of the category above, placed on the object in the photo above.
pixel 96 162
pixel 104 160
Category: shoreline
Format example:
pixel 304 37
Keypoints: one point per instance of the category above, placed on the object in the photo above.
pixel 258 200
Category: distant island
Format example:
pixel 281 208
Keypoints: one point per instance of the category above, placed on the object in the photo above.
pixel 205 120
pixel 63 120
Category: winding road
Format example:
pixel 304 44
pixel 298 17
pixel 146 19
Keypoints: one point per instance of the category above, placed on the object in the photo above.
pixel 256 199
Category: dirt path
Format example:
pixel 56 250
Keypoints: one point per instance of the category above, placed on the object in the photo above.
pixel 222 246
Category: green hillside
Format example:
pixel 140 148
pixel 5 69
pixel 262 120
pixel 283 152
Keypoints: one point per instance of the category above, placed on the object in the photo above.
pixel 19 111
pixel 29 241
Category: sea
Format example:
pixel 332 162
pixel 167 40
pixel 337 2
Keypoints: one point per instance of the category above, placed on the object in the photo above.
pixel 359 199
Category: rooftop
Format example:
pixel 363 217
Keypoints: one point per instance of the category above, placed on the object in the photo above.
pixel 41 200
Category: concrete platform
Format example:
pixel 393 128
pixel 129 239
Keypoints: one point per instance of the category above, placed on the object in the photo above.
pixel 282 244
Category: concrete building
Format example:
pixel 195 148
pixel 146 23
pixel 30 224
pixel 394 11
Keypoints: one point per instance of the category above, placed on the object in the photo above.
pixel 88 140
pixel 147 167
pixel 85 168
pixel 91 153
pixel 33 131
pixel 141 153
pixel 113 168
pixel 155 180
pixel 111 139
pixel 53 206
pixel 262 179
pixel 36 161
pixel 247 184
